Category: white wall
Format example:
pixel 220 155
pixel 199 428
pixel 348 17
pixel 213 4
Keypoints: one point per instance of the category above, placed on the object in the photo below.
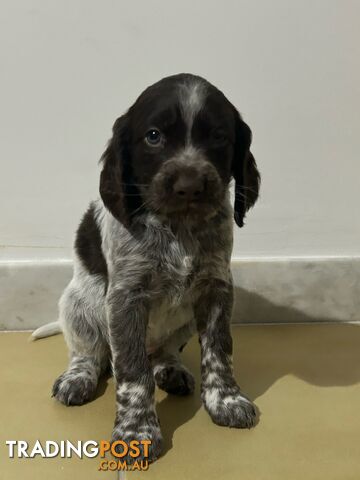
pixel 69 68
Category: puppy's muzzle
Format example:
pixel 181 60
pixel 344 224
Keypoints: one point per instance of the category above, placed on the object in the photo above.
pixel 181 185
pixel 189 186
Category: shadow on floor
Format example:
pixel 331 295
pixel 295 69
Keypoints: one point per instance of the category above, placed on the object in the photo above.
pixel 174 412
pixel 103 384
pixel 321 356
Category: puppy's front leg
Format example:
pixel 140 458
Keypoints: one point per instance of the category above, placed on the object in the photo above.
pixel 136 419
pixel 221 395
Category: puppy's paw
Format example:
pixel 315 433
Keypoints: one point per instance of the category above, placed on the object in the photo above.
pixel 149 453
pixel 74 388
pixel 229 408
pixel 175 379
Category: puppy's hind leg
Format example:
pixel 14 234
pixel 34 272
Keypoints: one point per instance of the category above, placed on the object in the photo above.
pixel 78 384
pixel 169 372
pixel 88 348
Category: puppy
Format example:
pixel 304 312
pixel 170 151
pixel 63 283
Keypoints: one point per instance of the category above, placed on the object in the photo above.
pixel 152 259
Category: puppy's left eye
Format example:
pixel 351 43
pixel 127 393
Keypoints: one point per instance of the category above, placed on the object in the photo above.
pixel 153 137
pixel 219 136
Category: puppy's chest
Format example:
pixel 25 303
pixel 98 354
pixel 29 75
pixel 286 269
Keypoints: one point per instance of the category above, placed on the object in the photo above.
pixel 174 294
pixel 176 274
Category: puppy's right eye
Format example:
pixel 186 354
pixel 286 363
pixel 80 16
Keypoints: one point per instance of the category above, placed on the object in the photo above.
pixel 153 137
pixel 219 136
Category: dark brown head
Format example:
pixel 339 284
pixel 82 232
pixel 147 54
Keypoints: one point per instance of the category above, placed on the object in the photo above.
pixel 175 152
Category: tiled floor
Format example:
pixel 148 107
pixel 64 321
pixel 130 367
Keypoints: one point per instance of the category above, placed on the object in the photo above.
pixel 305 380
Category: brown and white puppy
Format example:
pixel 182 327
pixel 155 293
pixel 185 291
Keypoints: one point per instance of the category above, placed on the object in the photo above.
pixel 152 259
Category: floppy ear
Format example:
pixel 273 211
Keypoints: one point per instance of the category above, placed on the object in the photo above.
pixel 120 196
pixel 245 172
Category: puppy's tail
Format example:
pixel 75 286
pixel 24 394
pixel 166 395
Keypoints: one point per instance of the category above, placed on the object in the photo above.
pixel 47 330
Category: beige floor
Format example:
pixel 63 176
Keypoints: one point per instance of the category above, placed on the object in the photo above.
pixel 304 379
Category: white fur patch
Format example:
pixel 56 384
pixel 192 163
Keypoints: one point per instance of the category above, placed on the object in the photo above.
pixel 192 97
pixel 134 390
pixel 232 399
pixel 214 401
pixel 212 377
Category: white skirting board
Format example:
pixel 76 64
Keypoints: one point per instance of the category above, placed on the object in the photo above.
pixel 267 290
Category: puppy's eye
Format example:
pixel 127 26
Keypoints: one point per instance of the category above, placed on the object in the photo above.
pixel 219 136
pixel 153 137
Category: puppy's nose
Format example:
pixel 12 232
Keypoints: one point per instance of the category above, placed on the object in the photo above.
pixel 189 187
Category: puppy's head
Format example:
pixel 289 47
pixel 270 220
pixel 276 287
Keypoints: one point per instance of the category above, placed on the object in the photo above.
pixel 174 153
